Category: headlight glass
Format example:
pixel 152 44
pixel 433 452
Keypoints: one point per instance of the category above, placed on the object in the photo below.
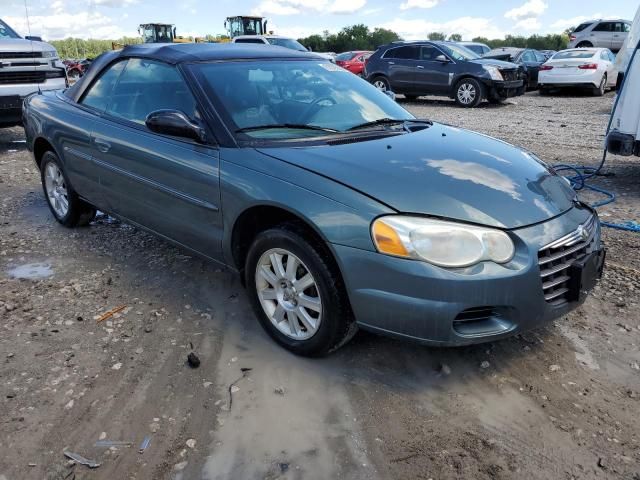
pixel 439 242
pixel 49 54
pixel 493 72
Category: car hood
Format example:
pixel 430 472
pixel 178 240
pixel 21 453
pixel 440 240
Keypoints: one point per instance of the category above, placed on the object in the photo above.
pixel 22 45
pixel 496 62
pixel 443 171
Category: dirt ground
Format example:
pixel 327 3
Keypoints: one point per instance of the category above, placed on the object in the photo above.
pixel 561 402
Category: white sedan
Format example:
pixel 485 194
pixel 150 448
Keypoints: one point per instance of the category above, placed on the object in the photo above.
pixel 593 68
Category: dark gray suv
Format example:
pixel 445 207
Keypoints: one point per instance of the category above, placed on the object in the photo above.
pixel 443 68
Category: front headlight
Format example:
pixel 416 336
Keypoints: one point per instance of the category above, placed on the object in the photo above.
pixel 493 72
pixel 49 54
pixel 439 242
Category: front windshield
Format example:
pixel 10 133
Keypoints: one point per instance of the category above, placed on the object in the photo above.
pixel 293 93
pixel 458 52
pixel 287 43
pixel 6 31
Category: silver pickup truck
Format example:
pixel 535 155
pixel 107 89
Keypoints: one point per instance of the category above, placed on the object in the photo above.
pixel 26 66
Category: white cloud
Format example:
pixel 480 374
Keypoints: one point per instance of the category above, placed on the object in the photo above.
pixel 418 4
pixel 113 3
pixel 529 24
pixel 295 7
pixel 468 27
pixel 346 6
pixel 531 9
pixel 63 25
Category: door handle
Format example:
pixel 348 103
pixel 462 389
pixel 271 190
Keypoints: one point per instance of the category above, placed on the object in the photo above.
pixel 102 145
pixel 420 67
pixel 392 63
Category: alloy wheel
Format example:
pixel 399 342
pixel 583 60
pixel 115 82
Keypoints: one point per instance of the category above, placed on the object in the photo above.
pixel 380 85
pixel 288 294
pixel 56 189
pixel 466 93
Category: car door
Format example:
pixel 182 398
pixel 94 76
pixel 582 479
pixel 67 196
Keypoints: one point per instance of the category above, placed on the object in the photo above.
pixel 77 148
pixel 602 35
pixel 609 60
pixel 432 76
pixel 167 184
pixel 401 67
pixel 619 35
pixel 529 60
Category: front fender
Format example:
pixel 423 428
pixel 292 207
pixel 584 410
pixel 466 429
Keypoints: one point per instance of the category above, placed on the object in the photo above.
pixel 337 213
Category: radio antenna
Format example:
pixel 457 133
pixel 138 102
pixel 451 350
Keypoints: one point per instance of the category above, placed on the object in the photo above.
pixel 26 13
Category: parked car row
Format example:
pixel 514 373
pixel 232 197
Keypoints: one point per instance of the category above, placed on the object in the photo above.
pixel 452 69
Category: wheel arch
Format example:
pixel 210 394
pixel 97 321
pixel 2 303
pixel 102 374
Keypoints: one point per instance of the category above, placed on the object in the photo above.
pixel 463 76
pixel 40 146
pixel 260 217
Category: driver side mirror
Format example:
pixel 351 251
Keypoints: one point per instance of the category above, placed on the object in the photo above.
pixel 442 59
pixel 33 38
pixel 175 123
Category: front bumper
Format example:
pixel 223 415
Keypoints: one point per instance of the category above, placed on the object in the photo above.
pixel 431 305
pixel 507 89
pixel 12 95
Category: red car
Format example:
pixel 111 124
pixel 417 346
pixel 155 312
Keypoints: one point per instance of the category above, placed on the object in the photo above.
pixel 353 61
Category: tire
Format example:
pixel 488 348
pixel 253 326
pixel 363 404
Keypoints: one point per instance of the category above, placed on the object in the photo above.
pixel 600 90
pixel 411 98
pixel 58 193
pixel 327 328
pixel 474 95
pixel 381 83
pixel 584 45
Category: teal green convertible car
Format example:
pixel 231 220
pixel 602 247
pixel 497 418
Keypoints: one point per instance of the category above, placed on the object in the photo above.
pixel 337 207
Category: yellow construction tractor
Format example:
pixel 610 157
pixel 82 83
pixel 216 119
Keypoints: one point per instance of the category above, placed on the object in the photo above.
pixel 160 33
pixel 242 25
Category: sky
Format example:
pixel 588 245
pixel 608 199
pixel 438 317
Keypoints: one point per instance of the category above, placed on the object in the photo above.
pixel 412 19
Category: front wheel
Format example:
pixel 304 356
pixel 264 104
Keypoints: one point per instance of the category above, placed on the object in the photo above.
pixel 64 203
pixel 381 83
pixel 468 93
pixel 296 292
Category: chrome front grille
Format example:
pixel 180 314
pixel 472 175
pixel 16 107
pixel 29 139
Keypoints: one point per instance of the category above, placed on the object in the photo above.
pixel 556 258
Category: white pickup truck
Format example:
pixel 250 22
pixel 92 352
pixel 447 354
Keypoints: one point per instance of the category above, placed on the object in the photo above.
pixel 624 136
pixel 26 66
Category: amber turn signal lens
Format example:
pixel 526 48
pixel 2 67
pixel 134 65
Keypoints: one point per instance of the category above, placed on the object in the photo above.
pixel 387 240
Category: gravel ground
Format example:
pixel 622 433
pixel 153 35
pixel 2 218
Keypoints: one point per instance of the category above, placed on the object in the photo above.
pixel 558 402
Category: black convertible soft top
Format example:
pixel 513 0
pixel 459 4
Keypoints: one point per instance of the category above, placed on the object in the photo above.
pixel 175 53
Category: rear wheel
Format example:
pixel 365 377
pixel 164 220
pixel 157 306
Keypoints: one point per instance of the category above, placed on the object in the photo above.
pixel 602 88
pixel 381 83
pixel 296 292
pixel 468 93
pixel 64 203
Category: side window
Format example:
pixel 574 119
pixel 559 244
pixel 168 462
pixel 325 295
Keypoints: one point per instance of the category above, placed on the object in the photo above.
pixel 540 57
pixel 604 55
pixel 146 86
pixel 603 27
pixel 612 57
pixel 429 53
pixel 403 53
pixel 528 56
pixel 99 93
pixel 626 27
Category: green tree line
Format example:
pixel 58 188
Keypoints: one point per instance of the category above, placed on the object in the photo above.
pixel 355 37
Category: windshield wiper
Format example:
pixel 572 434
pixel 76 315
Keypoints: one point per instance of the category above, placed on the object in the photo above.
pixel 299 126
pixel 388 121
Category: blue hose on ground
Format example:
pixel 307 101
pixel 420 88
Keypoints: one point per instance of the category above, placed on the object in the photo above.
pixel 581 174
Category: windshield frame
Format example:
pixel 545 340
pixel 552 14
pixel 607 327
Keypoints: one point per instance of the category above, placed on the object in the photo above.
pixel 11 31
pixel 220 116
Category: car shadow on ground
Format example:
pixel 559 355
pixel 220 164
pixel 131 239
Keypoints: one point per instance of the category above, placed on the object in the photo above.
pixel 12 140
